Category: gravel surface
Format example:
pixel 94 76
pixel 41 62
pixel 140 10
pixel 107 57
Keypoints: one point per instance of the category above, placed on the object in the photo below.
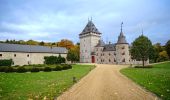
pixel 105 82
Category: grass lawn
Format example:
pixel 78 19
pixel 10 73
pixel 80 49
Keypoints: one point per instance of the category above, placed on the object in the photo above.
pixel 156 79
pixel 38 85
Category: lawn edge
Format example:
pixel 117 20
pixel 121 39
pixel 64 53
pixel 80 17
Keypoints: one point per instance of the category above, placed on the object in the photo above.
pixel 69 88
pixel 140 86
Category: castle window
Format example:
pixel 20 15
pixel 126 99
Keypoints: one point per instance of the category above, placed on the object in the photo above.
pixel 15 55
pixel 0 55
pixel 123 60
pixel 114 53
pixel 97 49
pixel 101 60
pixel 101 54
pixel 114 60
pixel 123 47
pixel 97 54
pixel 123 53
pixel 28 55
pixel 109 60
pixel 109 54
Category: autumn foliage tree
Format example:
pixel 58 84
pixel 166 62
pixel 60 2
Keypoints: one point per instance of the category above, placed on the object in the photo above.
pixel 73 54
pixel 141 49
pixel 168 48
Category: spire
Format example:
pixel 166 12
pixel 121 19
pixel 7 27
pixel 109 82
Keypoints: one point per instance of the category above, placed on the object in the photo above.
pixel 121 26
pixel 121 38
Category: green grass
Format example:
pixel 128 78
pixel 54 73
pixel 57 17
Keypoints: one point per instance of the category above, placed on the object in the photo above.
pixel 21 86
pixel 156 79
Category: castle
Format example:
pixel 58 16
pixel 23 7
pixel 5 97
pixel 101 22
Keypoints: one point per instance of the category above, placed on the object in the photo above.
pixel 94 50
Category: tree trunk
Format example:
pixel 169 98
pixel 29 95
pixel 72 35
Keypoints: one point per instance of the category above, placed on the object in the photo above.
pixel 143 62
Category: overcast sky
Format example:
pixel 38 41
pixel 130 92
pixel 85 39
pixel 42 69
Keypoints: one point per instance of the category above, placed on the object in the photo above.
pixel 53 20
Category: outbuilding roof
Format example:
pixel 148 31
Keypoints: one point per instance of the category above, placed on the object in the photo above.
pixel 5 47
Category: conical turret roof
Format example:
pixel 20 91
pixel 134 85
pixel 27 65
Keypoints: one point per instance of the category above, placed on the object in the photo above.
pixel 90 27
pixel 121 38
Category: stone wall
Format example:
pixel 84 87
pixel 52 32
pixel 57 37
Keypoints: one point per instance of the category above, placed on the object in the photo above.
pixel 87 44
pixel 21 58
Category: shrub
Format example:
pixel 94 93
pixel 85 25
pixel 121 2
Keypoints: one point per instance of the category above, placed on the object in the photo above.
pixel 58 68
pixel 34 69
pixel 6 62
pixel 2 69
pixel 16 66
pixel 50 60
pixel 8 69
pixel 54 60
pixel 147 66
pixel 66 66
pixel 47 69
pixel 21 69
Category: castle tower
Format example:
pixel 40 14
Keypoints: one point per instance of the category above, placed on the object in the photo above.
pixel 122 49
pixel 89 38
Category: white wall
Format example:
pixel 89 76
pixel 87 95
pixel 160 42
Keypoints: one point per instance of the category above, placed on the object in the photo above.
pixel 87 44
pixel 22 58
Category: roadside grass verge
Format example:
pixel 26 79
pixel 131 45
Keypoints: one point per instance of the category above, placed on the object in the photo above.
pixel 40 85
pixel 155 79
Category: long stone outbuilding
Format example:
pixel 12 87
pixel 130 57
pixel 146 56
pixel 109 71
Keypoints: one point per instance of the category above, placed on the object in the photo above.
pixel 29 54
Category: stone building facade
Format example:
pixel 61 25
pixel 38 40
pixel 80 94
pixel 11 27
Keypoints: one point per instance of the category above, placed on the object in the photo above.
pixel 29 54
pixel 94 50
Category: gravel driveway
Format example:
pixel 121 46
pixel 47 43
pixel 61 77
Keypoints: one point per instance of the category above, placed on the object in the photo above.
pixel 105 82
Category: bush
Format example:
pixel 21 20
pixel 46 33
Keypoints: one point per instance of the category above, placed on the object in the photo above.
pixel 47 69
pixel 2 69
pixel 6 62
pixel 21 69
pixel 58 68
pixel 147 66
pixel 9 69
pixel 34 69
pixel 66 66
pixel 50 60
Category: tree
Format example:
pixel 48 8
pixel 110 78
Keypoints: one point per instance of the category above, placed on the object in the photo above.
pixel 41 43
pixel 167 46
pixel 141 49
pixel 65 43
pixel 32 42
pixel 163 56
pixel 73 54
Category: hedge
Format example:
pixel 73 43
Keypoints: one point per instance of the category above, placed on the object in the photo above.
pixel 22 69
pixel 6 62
pixel 54 60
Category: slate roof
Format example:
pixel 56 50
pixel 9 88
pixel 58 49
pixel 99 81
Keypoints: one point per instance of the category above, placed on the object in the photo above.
pixel 90 27
pixel 5 47
pixel 100 43
pixel 109 47
pixel 121 39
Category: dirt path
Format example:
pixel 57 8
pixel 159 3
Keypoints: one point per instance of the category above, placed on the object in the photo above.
pixel 105 82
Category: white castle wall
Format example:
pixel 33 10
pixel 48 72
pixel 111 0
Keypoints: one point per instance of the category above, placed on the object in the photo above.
pixel 22 58
pixel 87 44
pixel 122 54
